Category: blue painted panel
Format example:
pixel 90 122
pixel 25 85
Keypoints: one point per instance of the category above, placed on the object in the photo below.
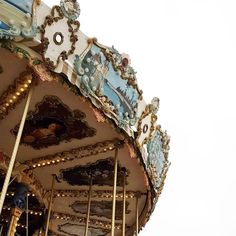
pixel 4 26
pixel 23 5
pixel 156 156
pixel 99 78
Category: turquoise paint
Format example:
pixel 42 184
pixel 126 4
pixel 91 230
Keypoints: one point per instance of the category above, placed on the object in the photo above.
pixel 156 156
pixel 23 5
pixel 100 78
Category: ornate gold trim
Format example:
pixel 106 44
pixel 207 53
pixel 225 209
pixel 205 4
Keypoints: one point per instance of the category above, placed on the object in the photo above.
pixel 108 54
pixel 147 111
pixel 73 27
pixel 96 194
pixel 78 153
pixel 82 220
pixel 15 93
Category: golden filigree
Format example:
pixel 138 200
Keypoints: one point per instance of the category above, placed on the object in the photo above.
pixel 73 27
pixel 15 93
pixel 140 130
pixel 77 153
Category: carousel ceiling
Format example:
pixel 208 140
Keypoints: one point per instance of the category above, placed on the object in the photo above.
pixel 64 136
pixel 85 106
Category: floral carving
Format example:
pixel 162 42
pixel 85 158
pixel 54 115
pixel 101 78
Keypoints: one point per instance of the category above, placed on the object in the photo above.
pixel 70 9
pixel 72 27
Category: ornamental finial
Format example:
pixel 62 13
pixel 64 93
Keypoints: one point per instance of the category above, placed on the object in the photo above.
pixel 70 9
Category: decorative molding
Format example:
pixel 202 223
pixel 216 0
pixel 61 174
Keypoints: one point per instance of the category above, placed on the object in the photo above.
pixel 82 220
pixel 15 93
pixel 77 153
pixel 146 126
pixel 20 53
pixel 101 194
pixel 70 9
pixel 13 27
pixel 158 175
pixel 121 64
pixel 105 87
pixel 57 14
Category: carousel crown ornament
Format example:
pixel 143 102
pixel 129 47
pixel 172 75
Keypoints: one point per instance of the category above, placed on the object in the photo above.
pixel 81 152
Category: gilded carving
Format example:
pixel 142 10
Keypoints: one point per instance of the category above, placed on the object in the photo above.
pixel 15 93
pixel 145 130
pixel 76 153
pixel 72 28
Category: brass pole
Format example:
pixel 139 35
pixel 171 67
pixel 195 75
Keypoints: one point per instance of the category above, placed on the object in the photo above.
pixel 15 150
pixel 114 194
pixel 124 205
pixel 50 206
pixel 137 216
pixel 88 207
pixel 16 213
pixel 27 215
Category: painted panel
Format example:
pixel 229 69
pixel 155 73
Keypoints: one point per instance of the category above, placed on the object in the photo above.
pixel 22 5
pixel 101 81
pixel 156 159
pixel 17 18
pixel 101 170
pixel 53 122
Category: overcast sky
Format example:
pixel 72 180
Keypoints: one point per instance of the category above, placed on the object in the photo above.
pixel 185 53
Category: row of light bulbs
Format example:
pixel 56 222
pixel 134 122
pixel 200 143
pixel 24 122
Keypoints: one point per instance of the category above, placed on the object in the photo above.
pixel 132 195
pixel 29 211
pixel 58 160
pixel 13 98
pixel 96 222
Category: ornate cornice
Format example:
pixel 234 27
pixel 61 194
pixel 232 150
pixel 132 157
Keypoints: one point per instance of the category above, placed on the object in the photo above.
pixel 103 194
pixel 15 93
pixel 82 220
pixel 77 153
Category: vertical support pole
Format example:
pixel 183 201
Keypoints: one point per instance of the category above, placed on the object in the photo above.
pixel 137 215
pixel 88 207
pixel 114 195
pixel 16 213
pixel 27 214
pixel 50 206
pixel 15 150
pixel 124 204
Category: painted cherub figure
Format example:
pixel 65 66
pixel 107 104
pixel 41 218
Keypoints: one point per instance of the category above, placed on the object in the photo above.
pixel 42 133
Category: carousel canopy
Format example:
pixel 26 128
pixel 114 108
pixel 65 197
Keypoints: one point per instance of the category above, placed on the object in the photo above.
pixel 85 123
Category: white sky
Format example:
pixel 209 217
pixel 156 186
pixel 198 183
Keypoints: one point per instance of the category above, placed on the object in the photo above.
pixel 185 53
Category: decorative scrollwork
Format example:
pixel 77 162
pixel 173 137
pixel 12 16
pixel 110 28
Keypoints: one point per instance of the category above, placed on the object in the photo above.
pixel 146 126
pixel 70 9
pixel 72 27
pixel 11 28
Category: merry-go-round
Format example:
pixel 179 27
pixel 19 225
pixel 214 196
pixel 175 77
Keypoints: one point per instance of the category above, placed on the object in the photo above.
pixel 81 152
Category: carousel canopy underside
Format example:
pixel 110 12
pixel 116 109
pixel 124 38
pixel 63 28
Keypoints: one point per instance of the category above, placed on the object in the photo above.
pixel 88 145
